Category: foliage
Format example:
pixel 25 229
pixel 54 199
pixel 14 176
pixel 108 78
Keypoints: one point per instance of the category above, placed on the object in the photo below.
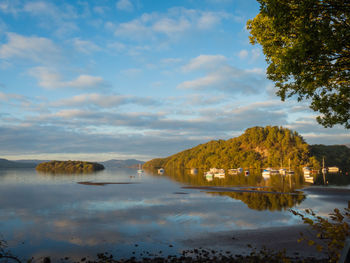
pixel 307 48
pixel 335 155
pixel 69 167
pixel 333 232
pixel 258 147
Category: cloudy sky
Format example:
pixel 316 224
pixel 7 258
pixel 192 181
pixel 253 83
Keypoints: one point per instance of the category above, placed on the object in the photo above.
pixel 106 79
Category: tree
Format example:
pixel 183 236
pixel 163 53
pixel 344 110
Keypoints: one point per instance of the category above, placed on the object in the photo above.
pixel 307 48
pixel 333 232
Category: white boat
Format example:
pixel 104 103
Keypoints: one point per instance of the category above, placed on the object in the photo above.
pixel 232 171
pixel 219 175
pixel 246 173
pixel 235 171
pixel 290 172
pixel 208 176
pixel 160 171
pixel 283 171
pixel 215 172
pixel 268 172
pixel 307 171
pixel 140 171
pixel 309 179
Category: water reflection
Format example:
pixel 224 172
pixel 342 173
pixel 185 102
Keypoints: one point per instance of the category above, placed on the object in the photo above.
pixel 74 215
pixel 263 201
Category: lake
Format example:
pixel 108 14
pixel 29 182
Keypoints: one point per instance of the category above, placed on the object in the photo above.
pixel 71 215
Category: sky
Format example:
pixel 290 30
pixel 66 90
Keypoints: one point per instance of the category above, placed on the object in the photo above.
pixel 119 79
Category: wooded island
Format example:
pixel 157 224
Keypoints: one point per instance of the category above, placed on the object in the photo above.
pixel 69 167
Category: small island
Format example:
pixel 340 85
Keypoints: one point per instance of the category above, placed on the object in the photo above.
pixel 69 167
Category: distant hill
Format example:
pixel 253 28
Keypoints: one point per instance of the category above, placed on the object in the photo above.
pixel 257 147
pixel 129 163
pixel 32 161
pixel 4 163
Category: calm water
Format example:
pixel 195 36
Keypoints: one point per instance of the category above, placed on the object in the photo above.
pixel 55 215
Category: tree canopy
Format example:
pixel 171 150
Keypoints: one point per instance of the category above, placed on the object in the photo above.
pixel 69 167
pixel 307 48
pixel 256 148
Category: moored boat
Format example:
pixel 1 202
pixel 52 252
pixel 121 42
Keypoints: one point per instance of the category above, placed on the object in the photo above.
pixel 268 172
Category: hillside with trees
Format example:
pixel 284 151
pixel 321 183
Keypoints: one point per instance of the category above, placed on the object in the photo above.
pixel 256 148
pixel 69 167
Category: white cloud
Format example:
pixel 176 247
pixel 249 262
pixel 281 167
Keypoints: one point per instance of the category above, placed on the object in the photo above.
pixel 101 10
pixel 10 6
pixel 208 20
pixel 37 49
pixel 243 54
pixel 174 23
pixel 220 76
pixel 10 96
pixel 50 79
pixel 171 26
pixel 125 5
pixel 116 46
pixel 103 101
pixel 85 81
pixel 205 62
pixel 85 46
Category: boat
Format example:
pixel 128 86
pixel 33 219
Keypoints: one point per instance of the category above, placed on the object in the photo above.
pixel 307 171
pixel 160 171
pixel 217 173
pixel 309 179
pixel 333 169
pixel 208 176
pixel 283 171
pixel 232 171
pixel 140 171
pixel 246 172
pixel 290 172
pixel 268 172
pixel 235 171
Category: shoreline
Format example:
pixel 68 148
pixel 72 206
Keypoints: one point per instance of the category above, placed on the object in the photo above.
pixel 274 238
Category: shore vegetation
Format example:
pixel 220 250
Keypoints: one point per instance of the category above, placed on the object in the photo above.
pixel 69 167
pixel 257 148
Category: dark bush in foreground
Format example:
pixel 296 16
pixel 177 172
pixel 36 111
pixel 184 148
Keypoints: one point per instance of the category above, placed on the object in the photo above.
pixel 69 167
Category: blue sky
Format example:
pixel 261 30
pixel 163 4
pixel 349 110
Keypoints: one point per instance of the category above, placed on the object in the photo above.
pixel 106 79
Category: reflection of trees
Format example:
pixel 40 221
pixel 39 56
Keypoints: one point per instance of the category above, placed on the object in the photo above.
pixel 275 183
pixel 264 201
pixel 284 197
